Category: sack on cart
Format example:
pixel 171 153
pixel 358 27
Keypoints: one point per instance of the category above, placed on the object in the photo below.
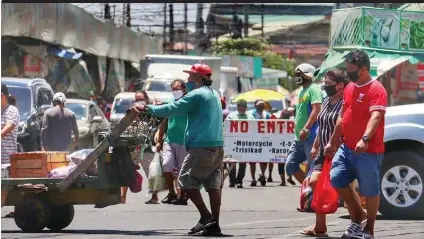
pixel 79 156
pixel 156 181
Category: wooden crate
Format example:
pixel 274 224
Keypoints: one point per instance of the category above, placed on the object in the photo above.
pixel 36 164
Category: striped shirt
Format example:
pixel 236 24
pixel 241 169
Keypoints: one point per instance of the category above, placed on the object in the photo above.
pixel 327 119
pixel 9 141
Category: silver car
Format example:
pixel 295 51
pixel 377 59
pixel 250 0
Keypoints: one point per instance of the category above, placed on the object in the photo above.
pixel 121 103
pixel 91 121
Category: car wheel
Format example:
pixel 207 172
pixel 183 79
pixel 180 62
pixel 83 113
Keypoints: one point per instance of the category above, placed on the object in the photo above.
pixel 402 187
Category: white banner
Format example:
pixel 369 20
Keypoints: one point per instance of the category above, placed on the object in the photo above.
pixel 261 141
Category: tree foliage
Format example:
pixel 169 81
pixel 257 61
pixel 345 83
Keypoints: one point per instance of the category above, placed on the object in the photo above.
pixel 254 47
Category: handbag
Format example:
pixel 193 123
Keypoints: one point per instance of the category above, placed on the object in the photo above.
pixel 326 198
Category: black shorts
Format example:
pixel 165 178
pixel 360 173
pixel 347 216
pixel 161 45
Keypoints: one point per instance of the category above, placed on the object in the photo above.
pixel 319 160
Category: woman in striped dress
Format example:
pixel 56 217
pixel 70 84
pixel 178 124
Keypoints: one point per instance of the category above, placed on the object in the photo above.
pixel 335 81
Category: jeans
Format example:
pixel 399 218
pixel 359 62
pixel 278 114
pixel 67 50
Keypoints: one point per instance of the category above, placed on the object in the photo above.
pixel 240 174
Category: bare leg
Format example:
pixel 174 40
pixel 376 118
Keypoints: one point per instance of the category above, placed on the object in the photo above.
pixel 169 179
pixel 253 170
pixel 373 204
pixel 124 191
pixel 263 167
pixel 196 198
pixel 300 176
pixel 270 168
pixel 320 219
pixel 353 205
pixel 215 201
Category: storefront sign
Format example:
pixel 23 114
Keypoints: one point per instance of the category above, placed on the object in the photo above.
pixel 263 141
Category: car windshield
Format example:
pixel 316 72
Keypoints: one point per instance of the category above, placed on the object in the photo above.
pixel 158 85
pixel 80 110
pixel 23 99
pixel 121 105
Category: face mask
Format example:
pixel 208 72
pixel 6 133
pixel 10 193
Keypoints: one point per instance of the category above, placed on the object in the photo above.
pixel 260 108
pixel 330 90
pixel 353 76
pixel 178 94
pixel 298 80
pixel 190 86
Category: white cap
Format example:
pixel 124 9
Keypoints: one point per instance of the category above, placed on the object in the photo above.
pixel 59 97
pixel 306 69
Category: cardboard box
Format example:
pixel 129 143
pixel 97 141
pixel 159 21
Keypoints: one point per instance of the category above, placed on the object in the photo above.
pixel 36 164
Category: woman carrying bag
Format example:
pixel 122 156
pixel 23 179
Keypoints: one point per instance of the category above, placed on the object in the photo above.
pixel 335 81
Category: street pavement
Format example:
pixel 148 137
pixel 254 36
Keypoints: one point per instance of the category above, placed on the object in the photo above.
pixel 253 212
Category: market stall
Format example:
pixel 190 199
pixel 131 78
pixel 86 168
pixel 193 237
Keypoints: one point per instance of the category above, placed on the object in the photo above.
pixel 394 41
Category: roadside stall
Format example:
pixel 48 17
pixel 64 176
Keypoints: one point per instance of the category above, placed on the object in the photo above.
pixel 394 41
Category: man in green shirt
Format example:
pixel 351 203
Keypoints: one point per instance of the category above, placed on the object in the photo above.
pixel 307 109
pixel 173 151
pixel 241 113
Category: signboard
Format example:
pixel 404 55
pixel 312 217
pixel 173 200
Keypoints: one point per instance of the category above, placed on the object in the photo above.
pixel 262 141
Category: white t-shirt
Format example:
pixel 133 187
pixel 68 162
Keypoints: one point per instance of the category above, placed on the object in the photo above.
pixel 9 141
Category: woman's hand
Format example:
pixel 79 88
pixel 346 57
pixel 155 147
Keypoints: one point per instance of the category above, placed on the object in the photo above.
pixel 314 153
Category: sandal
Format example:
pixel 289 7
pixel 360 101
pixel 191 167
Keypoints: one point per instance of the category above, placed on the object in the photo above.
pixel 201 226
pixel 310 231
pixel 151 202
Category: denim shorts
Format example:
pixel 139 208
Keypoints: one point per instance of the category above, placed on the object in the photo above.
pixel 300 151
pixel 348 166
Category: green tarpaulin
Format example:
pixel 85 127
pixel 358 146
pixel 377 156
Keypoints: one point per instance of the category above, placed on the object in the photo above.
pixel 381 61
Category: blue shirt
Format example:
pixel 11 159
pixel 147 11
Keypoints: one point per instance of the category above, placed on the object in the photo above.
pixel 265 114
pixel 204 116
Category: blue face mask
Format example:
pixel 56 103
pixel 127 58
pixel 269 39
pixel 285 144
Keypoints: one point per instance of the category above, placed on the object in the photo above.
pixel 190 86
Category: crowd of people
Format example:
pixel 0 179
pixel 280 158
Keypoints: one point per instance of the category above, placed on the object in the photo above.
pixel 191 140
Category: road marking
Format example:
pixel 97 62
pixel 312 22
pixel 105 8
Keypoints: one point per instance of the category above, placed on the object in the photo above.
pixel 268 221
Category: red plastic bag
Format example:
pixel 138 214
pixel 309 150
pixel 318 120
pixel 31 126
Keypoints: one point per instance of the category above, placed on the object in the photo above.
pixel 326 198
pixel 136 185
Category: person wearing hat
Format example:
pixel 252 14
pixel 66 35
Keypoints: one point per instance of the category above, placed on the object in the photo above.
pixel 58 125
pixel 241 113
pixel 204 144
pixel 307 109
pixel 9 126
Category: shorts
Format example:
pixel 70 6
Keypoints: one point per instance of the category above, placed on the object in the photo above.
pixel 299 152
pixel 319 161
pixel 173 156
pixel 348 166
pixel 202 166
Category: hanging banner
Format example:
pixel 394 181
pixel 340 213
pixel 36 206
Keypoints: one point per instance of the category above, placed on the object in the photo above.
pixel 261 141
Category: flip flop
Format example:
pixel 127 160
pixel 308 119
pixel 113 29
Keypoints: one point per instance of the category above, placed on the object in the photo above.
pixel 151 202
pixel 200 226
pixel 309 231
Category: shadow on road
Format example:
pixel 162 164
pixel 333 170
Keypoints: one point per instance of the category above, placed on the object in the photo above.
pixel 383 218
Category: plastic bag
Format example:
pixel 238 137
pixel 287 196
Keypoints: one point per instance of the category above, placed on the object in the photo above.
pixel 79 156
pixel 137 184
pixel 61 172
pixel 156 181
pixel 326 198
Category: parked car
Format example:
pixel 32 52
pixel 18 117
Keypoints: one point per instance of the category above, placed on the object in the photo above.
pixel 402 170
pixel 121 103
pixel 159 88
pixel 91 121
pixel 33 97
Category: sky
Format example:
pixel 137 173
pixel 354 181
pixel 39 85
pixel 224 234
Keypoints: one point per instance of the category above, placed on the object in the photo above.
pixel 150 15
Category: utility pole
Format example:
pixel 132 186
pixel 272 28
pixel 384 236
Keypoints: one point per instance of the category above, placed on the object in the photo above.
pixel 262 21
pixel 114 7
pixel 129 15
pixel 107 12
pixel 164 23
pixel 246 23
pixel 123 14
pixel 185 28
pixel 171 23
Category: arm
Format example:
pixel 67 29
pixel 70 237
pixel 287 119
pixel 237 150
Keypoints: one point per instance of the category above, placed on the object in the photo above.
pixel 378 105
pixel 337 134
pixel 161 131
pixel 12 121
pixel 8 127
pixel 375 119
pixel 75 128
pixel 177 108
pixel 44 131
pixel 316 101
pixel 316 142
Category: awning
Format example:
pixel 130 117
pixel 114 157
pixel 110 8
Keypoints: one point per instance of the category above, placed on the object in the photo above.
pixel 381 61
pixel 66 54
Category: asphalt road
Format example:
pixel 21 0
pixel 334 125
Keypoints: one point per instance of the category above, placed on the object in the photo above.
pixel 259 212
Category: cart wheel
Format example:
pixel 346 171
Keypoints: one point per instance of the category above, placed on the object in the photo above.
pixel 32 214
pixel 60 217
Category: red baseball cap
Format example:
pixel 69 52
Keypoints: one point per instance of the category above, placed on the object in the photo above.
pixel 201 69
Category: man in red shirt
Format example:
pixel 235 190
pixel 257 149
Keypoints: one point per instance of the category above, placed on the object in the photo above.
pixel 361 130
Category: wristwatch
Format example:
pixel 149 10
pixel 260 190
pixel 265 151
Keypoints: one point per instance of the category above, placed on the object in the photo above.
pixel 365 138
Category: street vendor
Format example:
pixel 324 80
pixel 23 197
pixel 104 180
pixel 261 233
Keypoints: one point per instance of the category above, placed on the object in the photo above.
pixel 204 143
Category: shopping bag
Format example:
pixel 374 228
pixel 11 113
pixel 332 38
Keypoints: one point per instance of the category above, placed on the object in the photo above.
pixel 325 199
pixel 156 181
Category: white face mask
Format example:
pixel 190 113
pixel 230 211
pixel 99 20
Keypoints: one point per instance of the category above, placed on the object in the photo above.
pixel 178 94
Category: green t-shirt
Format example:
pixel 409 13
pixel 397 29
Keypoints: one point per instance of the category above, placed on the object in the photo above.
pixel 177 126
pixel 307 97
